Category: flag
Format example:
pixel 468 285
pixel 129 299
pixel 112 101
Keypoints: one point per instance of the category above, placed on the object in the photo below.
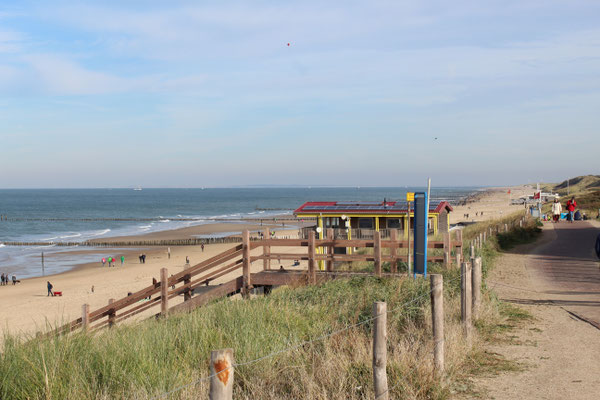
pixel 508 191
pixel 537 195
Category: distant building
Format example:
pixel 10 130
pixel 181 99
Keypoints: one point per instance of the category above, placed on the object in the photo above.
pixel 358 219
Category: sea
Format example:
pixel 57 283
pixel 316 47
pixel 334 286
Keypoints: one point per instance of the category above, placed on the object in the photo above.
pixel 76 215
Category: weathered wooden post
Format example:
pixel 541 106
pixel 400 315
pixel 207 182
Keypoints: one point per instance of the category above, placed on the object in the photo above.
pixel 164 291
pixel 480 240
pixel 85 317
pixel 112 315
pixel 221 374
pixel 465 299
pixel 266 250
pixel 476 286
pixel 520 223
pixel 505 227
pixel 447 249
pixel 312 274
pixel 246 282
pixel 380 350
pixel 393 251
pixel 377 252
pixel 458 259
pixel 330 251
pixel 187 279
pixel 472 250
pixel 437 319
pixel 484 236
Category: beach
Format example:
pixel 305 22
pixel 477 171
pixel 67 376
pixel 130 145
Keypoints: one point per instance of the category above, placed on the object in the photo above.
pixel 26 308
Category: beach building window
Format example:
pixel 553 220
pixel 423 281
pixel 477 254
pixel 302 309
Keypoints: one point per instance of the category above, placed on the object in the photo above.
pixel 394 223
pixel 365 223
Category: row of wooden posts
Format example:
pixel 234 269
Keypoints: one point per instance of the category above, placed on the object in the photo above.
pixel 222 361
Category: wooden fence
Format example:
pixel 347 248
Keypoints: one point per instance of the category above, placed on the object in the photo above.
pixel 194 283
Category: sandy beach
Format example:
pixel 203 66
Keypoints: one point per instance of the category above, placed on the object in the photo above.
pixel 26 308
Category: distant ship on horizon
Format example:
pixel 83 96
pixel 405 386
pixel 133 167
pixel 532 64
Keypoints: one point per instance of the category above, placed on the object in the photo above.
pixel 137 188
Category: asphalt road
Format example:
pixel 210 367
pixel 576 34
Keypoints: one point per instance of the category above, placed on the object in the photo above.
pixel 569 269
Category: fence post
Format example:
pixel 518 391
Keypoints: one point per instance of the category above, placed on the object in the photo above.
pixel 505 228
pixel 111 315
pixel 164 291
pixel 472 251
pixel 266 250
pixel 458 259
pixel 484 236
pixel 393 251
pixel 476 283
pixel 447 250
pixel 520 223
pixel 380 350
pixel 465 299
pixel 221 372
pixel 187 279
pixel 246 283
pixel 480 240
pixel 330 250
pixel 437 319
pixel 85 317
pixel 377 252
pixel 312 274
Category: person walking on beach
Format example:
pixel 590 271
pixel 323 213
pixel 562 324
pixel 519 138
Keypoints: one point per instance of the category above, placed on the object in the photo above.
pixel 571 204
pixel 187 260
pixel 50 289
pixel 122 260
pixel 202 247
pixel 2 279
pixel 103 262
pixel 556 210
pixel 14 279
pixel 169 253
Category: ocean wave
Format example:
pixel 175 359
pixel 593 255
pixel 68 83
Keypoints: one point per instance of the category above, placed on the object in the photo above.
pixel 165 220
pixel 100 233
pixel 2 245
pixel 70 236
pixel 49 239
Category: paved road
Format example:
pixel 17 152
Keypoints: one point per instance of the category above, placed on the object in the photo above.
pixel 569 269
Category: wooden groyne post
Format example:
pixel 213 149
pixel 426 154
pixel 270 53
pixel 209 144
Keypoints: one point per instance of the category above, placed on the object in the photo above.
pixel 221 375
pixel 380 350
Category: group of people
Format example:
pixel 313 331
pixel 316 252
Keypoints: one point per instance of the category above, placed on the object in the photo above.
pixel 5 279
pixel 112 260
pixel 557 210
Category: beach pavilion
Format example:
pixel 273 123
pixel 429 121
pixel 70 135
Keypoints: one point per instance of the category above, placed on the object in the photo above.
pixel 358 220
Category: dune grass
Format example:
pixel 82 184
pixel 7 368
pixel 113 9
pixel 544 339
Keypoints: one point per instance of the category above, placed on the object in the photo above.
pixel 157 356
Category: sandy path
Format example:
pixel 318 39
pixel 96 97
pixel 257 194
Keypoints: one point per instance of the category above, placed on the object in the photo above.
pixel 560 353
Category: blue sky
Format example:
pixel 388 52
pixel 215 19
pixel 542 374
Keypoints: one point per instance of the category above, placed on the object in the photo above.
pixel 189 94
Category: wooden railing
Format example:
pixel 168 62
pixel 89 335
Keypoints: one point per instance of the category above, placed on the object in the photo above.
pixel 198 278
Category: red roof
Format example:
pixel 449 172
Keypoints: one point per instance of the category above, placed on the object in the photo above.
pixel 349 207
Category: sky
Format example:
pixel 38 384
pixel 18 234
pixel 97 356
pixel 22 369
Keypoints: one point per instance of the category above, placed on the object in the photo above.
pixel 369 93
